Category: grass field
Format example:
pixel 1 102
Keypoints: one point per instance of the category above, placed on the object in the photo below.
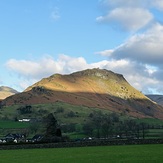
pixel 101 154
pixel 12 124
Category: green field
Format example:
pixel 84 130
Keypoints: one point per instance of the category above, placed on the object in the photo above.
pixel 101 154
pixel 12 124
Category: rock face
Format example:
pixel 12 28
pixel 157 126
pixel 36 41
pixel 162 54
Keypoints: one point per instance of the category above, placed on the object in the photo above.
pixel 6 92
pixel 94 88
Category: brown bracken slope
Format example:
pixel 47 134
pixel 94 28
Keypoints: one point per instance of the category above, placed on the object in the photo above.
pixel 98 88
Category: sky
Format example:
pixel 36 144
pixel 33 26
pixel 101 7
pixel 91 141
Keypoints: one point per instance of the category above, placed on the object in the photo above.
pixel 39 38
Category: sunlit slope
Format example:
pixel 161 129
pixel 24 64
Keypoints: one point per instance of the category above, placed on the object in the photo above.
pixel 93 88
pixel 91 81
pixel 6 92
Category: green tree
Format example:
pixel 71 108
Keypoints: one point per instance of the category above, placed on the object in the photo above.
pixel 52 129
pixel 51 125
pixel 88 128
pixel 107 125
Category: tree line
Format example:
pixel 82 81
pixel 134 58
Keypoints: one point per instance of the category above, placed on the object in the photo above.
pixel 101 125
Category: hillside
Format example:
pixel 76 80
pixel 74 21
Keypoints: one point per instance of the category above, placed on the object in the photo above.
pixel 6 92
pixel 94 88
pixel 157 98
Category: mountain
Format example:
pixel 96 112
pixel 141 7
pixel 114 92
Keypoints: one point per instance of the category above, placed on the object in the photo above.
pixel 6 92
pixel 157 98
pixel 94 88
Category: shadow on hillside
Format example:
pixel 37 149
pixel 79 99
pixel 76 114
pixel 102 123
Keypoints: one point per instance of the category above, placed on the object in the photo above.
pixel 131 106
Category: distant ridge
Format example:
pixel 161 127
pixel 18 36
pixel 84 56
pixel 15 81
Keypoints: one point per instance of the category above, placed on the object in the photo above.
pixel 95 88
pixel 157 98
pixel 6 92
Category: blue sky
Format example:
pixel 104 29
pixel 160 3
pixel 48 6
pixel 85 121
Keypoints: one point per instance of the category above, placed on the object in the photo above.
pixel 39 38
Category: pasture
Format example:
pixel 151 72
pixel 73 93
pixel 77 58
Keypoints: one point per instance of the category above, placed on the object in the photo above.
pixel 98 154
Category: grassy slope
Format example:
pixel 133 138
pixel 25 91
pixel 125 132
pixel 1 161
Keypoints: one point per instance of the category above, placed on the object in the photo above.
pixel 81 113
pixel 102 154
pixel 40 110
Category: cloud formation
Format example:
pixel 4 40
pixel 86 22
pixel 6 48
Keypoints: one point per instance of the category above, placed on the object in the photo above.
pixel 122 16
pixel 128 14
pixel 143 49
pixel 30 71
pixel 138 75
pixel 158 4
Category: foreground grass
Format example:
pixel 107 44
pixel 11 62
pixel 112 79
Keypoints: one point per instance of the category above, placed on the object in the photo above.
pixel 102 154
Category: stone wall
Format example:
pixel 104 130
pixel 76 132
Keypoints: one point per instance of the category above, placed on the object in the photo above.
pixel 80 144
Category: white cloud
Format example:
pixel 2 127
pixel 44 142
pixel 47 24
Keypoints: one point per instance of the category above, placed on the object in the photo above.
pixel 157 3
pixel 122 16
pixel 33 69
pixel 71 64
pixel 146 47
pixel 105 52
pixel 129 14
pixel 30 72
